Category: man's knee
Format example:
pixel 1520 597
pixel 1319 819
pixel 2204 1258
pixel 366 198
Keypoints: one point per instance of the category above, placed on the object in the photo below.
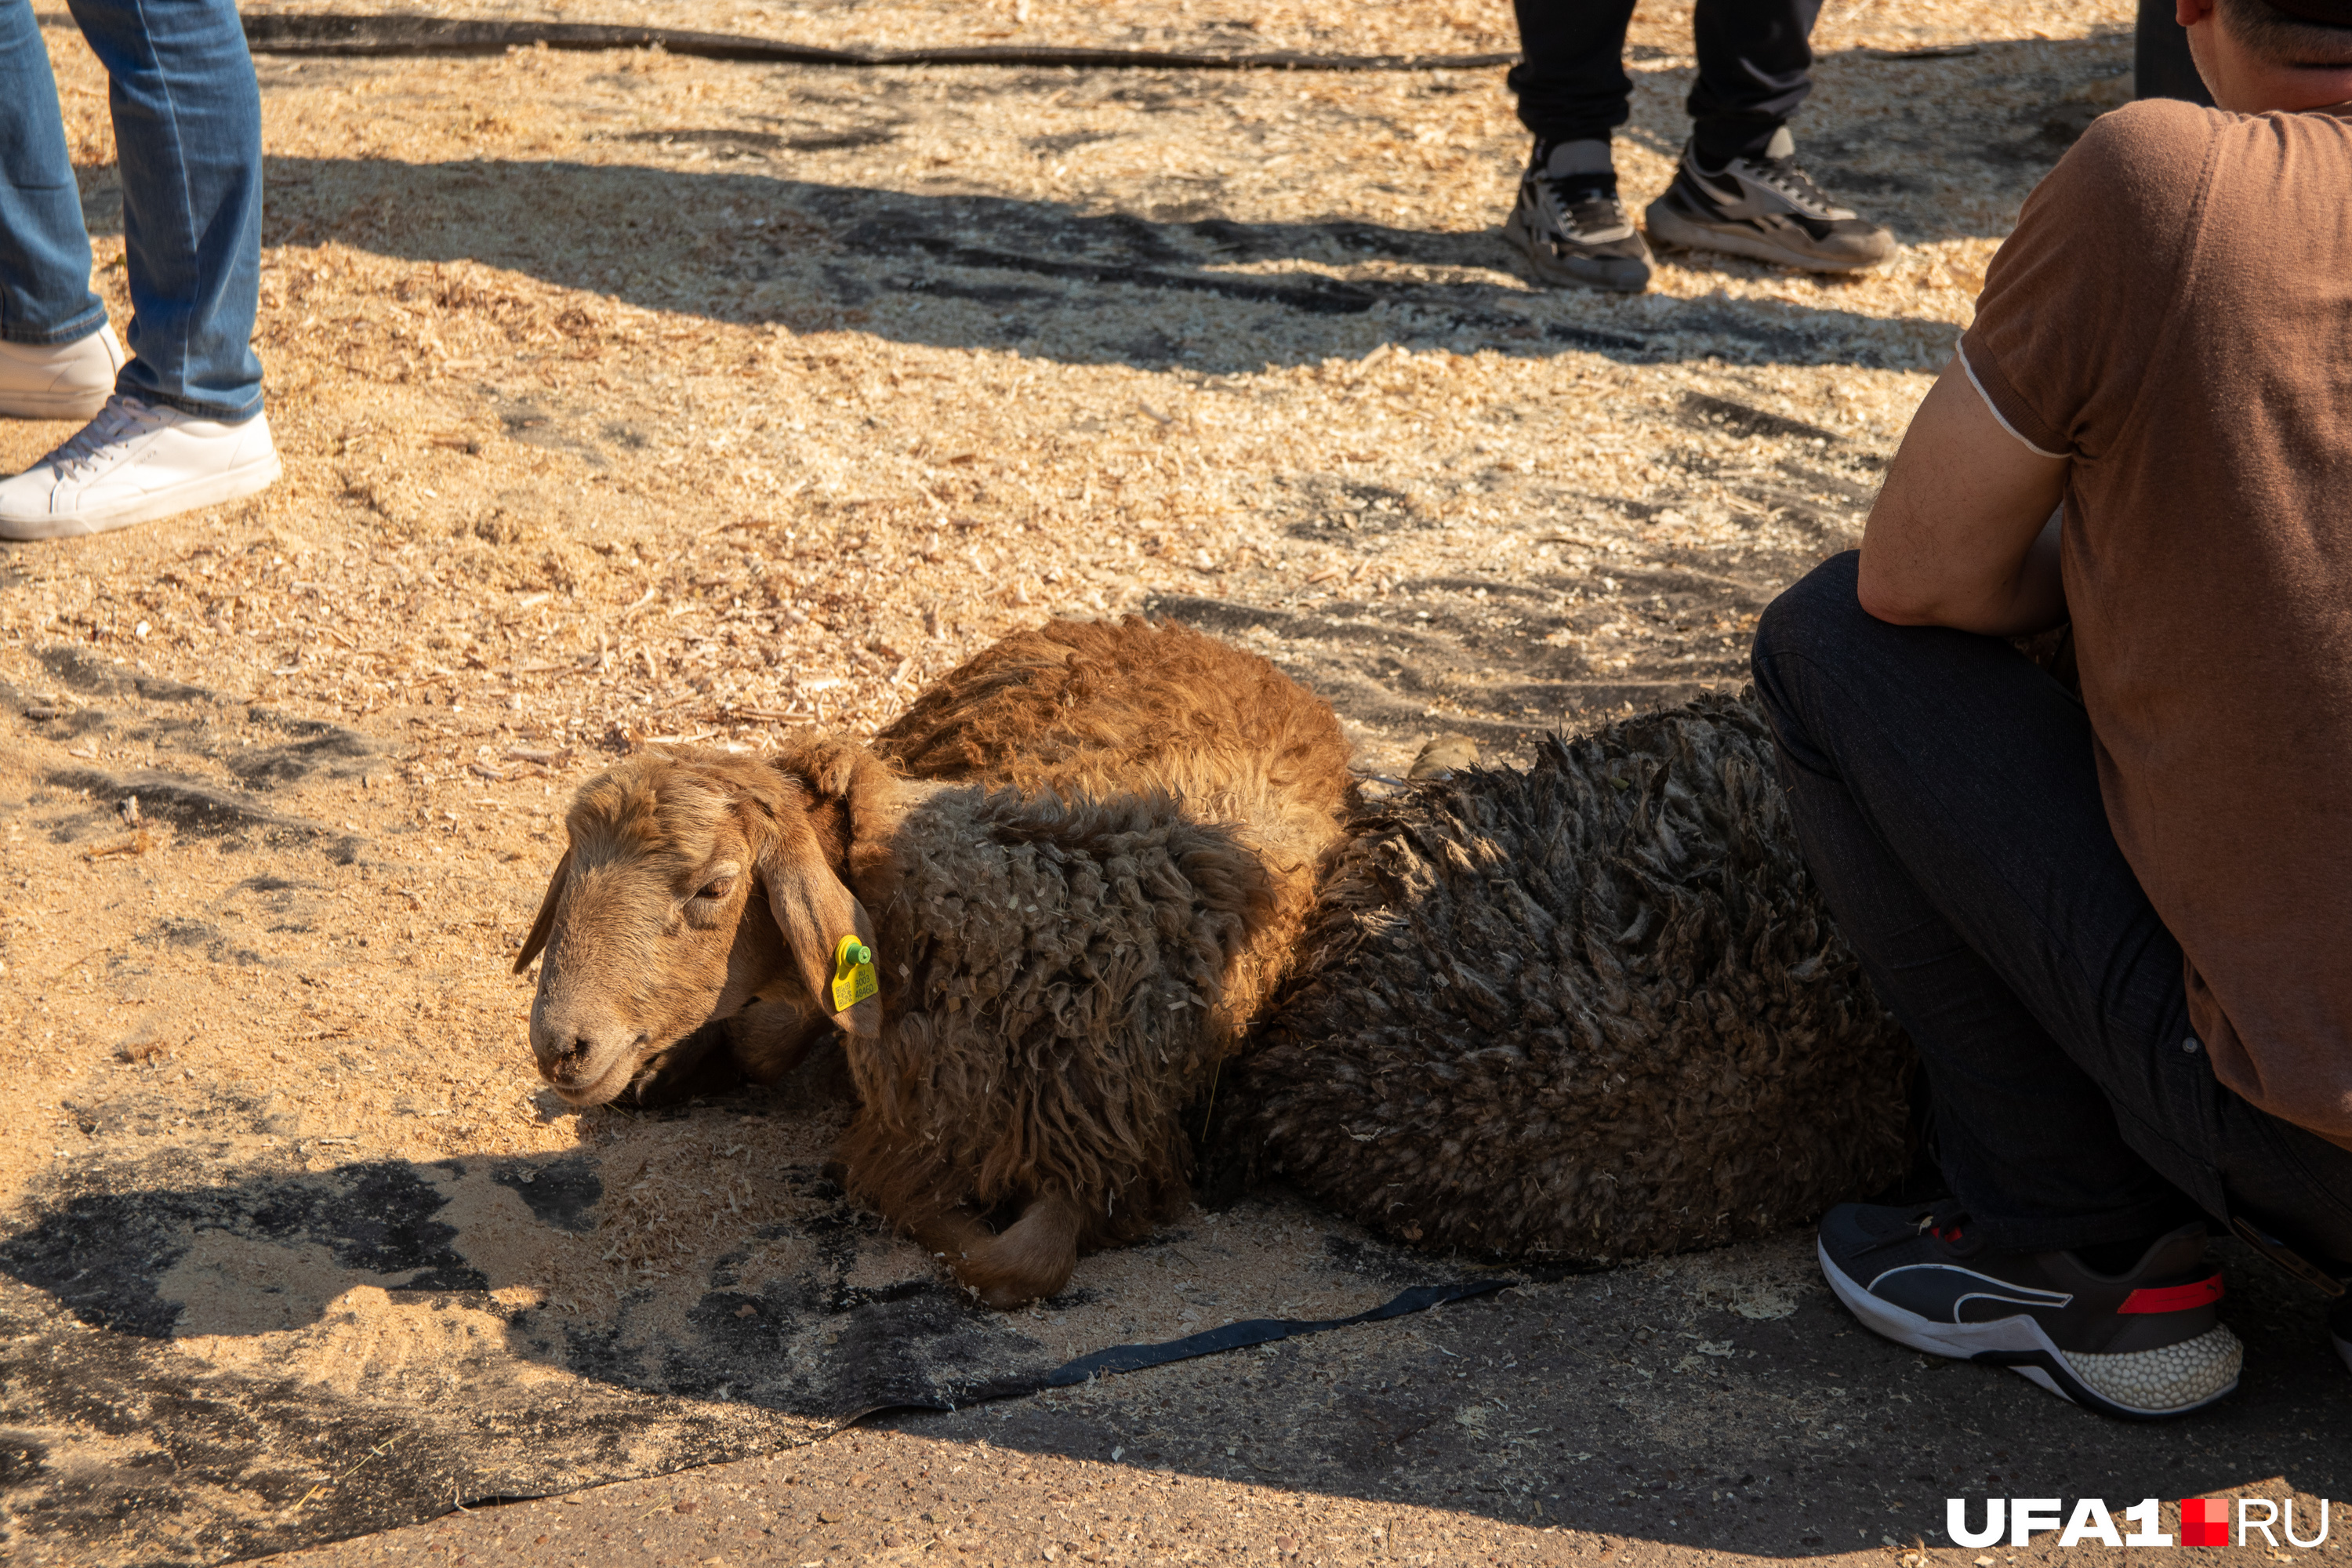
pixel 1818 619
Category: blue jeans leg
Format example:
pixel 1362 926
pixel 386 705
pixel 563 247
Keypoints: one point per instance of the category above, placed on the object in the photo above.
pixel 187 129
pixel 1944 792
pixel 44 293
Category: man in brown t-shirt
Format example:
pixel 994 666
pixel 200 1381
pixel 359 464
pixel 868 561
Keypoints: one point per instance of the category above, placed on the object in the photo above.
pixel 2118 927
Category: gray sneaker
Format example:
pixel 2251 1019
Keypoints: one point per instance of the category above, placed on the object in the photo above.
pixel 1765 208
pixel 1571 223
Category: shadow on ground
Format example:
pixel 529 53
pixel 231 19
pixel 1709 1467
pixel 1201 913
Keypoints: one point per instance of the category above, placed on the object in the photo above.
pixel 746 216
pixel 201 1330
pixel 187 1364
pixel 1040 278
pixel 192 1365
pixel 1640 1403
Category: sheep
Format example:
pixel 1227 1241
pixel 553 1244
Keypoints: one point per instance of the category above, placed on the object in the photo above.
pixel 1058 965
pixel 1589 1012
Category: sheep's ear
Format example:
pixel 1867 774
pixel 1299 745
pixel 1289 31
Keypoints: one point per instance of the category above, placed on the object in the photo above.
pixel 536 940
pixel 816 910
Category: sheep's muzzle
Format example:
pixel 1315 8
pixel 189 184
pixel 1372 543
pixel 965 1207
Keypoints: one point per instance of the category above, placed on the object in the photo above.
pixel 588 1058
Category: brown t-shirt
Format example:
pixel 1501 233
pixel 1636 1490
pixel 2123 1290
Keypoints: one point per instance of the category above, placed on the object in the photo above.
pixel 2174 314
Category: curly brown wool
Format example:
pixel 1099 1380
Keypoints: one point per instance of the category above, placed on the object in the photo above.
pixel 1106 710
pixel 1589 1012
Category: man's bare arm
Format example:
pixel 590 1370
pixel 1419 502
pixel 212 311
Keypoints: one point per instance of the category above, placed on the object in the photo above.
pixel 1962 533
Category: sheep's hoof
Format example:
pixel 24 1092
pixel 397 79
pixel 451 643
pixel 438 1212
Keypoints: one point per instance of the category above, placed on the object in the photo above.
pixel 1034 1258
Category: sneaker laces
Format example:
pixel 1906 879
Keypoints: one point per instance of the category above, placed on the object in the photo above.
pixel 1786 176
pixel 1943 1219
pixel 87 450
pixel 1597 211
pixel 1588 208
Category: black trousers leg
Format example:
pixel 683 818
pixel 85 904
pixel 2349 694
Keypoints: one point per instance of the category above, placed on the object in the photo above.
pixel 1571 80
pixel 1945 795
pixel 1755 66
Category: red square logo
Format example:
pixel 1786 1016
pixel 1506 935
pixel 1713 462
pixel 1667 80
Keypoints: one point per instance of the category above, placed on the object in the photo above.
pixel 2204 1521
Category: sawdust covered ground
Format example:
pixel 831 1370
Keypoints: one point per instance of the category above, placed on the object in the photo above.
pixel 624 396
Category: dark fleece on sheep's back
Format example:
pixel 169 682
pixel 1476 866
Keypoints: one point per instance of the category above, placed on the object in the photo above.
pixel 1592 1011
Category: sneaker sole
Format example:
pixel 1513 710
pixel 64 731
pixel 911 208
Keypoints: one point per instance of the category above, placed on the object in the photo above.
pixel 1616 274
pixel 2018 1344
pixel 214 490
pixel 1670 227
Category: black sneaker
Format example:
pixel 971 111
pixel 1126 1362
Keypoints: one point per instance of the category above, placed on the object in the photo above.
pixel 1767 208
pixel 2339 1327
pixel 1571 223
pixel 2143 1343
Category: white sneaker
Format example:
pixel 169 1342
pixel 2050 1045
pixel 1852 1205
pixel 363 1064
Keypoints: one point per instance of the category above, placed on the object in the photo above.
pixel 59 381
pixel 135 462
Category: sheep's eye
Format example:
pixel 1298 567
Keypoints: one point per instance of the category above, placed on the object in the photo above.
pixel 717 887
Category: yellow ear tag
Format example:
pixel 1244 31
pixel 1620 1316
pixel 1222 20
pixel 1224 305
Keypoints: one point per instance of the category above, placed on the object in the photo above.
pixel 853 974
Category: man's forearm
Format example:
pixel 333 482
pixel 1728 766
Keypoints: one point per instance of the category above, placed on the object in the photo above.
pixel 2031 598
pixel 1964 532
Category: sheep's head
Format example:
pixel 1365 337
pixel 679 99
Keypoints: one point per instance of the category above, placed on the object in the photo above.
pixel 694 883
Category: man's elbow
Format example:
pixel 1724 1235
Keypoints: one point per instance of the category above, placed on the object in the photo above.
pixel 1891 601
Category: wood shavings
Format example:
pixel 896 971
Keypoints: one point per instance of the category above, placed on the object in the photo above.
pixel 139 843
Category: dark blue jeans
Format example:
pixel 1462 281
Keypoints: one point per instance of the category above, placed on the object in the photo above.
pixel 1944 796
pixel 1755 66
pixel 187 133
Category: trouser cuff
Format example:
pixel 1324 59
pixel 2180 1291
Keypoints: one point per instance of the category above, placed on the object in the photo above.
pixel 195 407
pixel 86 325
pixel 1718 140
pixel 1572 130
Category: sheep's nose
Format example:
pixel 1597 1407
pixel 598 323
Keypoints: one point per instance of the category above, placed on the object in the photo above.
pixel 566 1055
pixel 567 1063
pixel 567 1047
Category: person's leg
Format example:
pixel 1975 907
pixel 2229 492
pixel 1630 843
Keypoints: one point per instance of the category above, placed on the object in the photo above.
pixel 1571 80
pixel 57 360
pixel 44 293
pixel 1573 91
pixel 187 128
pixel 1946 796
pixel 2162 64
pixel 1755 66
pixel 183 427
pixel 1943 792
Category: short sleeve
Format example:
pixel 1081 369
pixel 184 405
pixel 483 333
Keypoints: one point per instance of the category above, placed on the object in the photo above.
pixel 2077 298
